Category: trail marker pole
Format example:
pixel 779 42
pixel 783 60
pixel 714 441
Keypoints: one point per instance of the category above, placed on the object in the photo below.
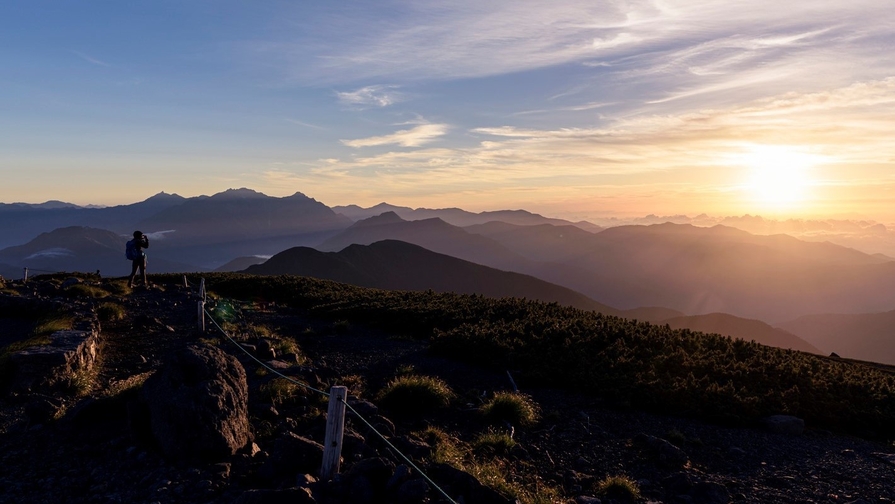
pixel 202 289
pixel 201 317
pixel 25 277
pixel 185 283
pixel 335 429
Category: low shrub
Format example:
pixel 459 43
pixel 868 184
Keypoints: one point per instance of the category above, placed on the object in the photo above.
pixel 414 395
pixel 513 408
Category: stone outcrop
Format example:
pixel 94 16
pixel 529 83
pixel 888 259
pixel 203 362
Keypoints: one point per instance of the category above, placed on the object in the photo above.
pixel 784 424
pixel 198 405
pixel 68 354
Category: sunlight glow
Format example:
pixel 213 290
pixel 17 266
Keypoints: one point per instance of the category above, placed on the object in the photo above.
pixel 779 176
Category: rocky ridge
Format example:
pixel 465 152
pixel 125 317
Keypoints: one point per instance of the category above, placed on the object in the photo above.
pixel 95 442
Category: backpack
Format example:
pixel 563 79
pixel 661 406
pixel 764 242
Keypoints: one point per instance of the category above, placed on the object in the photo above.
pixel 131 251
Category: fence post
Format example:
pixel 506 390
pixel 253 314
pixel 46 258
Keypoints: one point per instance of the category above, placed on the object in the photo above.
pixel 25 277
pixel 185 283
pixel 201 317
pixel 202 289
pixel 335 428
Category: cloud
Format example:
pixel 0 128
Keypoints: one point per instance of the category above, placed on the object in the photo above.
pixel 413 137
pixel 471 39
pixel 370 96
pixel 305 124
pixel 664 162
pixel 89 59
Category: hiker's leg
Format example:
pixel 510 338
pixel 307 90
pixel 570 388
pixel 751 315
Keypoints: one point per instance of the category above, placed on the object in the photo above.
pixel 143 271
pixel 134 265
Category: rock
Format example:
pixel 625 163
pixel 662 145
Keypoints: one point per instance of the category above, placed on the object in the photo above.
pixel 784 424
pixel 266 349
pixel 412 447
pixel 665 453
pixel 363 408
pixel 678 484
pixel 291 455
pixel 286 496
pixel 585 499
pixel 41 409
pixel 377 470
pixel 459 483
pixel 198 405
pixel 305 481
pixel 68 354
pixel 885 457
pixel 402 473
pixel 412 492
pixel 70 282
pixel 710 493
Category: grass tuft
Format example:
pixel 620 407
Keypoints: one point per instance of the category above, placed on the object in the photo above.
pixel 620 488
pixel 413 395
pixel 511 407
pixel 494 443
pixel 110 312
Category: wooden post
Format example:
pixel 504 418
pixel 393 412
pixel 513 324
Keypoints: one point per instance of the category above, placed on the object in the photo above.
pixel 201 317
pixel 202 289
pixel 335 428
pixel 25 277
pixel 185 283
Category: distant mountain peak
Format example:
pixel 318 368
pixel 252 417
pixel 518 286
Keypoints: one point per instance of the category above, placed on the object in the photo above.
pixel 241 193
pixel 163 196
pixel 383 218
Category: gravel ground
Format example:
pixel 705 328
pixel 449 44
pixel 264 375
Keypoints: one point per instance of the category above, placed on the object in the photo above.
pixel 90 454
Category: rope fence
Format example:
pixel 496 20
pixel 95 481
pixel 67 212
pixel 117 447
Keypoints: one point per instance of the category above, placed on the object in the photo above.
pixel 337 395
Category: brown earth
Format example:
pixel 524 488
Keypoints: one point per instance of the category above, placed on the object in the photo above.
pixel 85 447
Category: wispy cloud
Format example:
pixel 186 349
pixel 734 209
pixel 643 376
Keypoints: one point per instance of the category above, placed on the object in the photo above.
pixel 681 158
pixel 413 137
pixel 305 124
pixel 88 58
pixel 370 96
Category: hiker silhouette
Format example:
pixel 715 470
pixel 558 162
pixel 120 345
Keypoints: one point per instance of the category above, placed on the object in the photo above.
pixel 134 252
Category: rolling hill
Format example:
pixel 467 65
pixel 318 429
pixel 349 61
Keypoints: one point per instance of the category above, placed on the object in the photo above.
pixel 745 329
pixel 865 336
pixel 432 234
pixel 396 265
pixel 79 248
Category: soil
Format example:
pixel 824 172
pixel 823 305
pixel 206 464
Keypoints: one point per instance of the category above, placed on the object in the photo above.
pixel 82 447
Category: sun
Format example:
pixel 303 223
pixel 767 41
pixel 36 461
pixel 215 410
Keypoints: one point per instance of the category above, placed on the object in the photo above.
pixel 778 176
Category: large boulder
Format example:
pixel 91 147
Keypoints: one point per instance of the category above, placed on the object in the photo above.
pixel 197 405
pixel 784 424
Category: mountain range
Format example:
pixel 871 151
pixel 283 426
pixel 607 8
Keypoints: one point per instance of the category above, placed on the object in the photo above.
pixel 662 273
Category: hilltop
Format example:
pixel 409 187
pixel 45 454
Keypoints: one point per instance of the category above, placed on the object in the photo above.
pixel 80 441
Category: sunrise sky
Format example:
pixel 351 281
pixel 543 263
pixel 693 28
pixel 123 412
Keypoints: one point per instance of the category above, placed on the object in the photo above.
pixel 567 108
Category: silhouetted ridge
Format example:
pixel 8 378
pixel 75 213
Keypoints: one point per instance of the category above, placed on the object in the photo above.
pixel 396 265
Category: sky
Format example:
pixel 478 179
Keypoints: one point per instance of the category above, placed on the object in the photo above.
pixel 574 109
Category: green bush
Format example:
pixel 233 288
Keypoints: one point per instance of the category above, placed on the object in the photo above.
pixel 511 407
pixel 415 395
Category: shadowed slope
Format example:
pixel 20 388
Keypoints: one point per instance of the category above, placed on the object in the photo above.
pixel 745 329
pixel 865 336
pixel 396 265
